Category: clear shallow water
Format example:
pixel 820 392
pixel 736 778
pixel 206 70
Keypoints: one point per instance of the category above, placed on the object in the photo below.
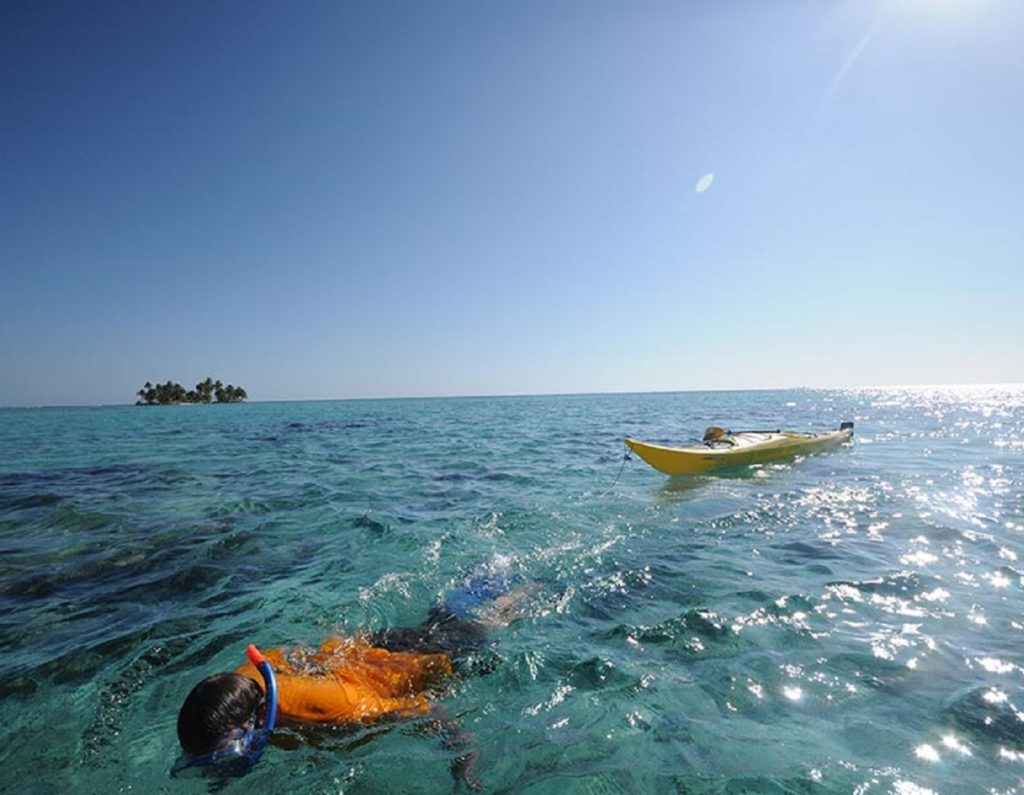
pixel 849 622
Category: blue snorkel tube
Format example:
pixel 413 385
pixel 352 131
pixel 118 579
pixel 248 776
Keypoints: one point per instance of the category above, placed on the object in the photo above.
pixel 245 747
pixel 270 683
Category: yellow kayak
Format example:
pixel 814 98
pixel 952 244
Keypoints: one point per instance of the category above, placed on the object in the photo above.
pixel 721 449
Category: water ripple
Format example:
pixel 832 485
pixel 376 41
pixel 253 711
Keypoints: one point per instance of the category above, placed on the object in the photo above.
pixel 839 623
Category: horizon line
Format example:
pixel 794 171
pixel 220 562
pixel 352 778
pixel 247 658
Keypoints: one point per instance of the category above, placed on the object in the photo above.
pixel 483 396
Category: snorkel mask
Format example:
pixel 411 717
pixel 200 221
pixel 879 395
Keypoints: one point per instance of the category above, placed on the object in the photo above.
pixel 242 747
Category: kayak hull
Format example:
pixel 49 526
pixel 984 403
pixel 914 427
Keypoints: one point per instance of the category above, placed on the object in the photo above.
pixel 749 448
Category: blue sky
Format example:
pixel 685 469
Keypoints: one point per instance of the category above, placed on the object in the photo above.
pixel 320 200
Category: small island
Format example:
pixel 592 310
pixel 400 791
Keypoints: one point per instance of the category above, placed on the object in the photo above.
pixel 171 394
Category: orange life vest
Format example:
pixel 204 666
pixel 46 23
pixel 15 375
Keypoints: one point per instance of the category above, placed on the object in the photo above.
pixel 348 680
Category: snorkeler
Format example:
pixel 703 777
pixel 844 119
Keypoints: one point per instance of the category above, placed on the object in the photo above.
pixel 226 719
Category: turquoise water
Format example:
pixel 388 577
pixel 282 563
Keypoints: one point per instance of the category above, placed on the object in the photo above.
pixel 848 622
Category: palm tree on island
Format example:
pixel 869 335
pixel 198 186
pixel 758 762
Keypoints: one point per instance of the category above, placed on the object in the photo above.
pixel 172 394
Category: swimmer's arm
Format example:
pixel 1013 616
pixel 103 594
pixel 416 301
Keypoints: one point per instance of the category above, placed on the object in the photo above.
pixel 462 743
pixel 509 607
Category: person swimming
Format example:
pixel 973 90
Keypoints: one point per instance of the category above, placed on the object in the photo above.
pixel 226 719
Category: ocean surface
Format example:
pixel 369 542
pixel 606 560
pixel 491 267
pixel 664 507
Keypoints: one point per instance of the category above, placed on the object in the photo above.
pixel 849 622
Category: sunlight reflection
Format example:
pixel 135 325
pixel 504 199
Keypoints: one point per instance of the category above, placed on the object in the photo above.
pixel 996 666
pixel 935 595
pixel 557 697
pixel 999 580
pixel 995 696
pixel 966 578
pixel 903 787
pixel 919 559
pixel 952 742
pixel 845 592
pixel 897 606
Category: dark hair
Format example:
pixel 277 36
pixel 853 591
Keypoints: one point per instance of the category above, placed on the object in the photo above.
pixel 215 706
